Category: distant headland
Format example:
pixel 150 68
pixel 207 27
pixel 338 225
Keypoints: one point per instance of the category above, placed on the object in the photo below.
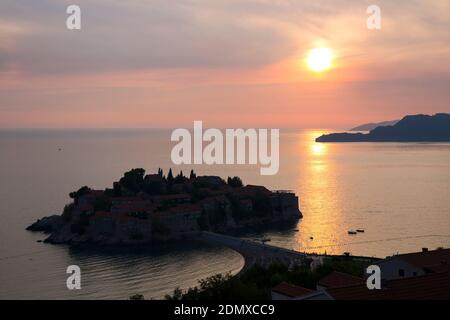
pixel 142 208
pixel 412 128
pixel 373 125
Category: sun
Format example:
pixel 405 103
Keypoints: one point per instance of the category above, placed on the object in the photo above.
pixel 320 59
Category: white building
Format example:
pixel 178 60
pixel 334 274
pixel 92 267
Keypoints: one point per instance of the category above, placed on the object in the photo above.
pixel 414 264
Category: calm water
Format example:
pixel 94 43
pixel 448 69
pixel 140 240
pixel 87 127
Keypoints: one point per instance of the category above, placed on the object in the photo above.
pixel 399 193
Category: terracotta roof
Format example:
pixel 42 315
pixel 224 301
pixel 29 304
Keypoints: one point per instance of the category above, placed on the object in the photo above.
pixel 251 190
pixel 427 258
pixel 442 267
pixel 291 290
pixel 339 279
pixel 434 286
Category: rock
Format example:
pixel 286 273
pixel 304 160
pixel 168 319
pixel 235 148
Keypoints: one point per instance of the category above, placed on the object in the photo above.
pixel 46 224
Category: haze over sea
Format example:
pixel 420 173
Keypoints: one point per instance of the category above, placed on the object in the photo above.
pixel 398 192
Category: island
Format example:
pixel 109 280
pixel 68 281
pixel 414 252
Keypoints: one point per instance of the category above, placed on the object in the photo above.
pixel 142 208
pixel 412 128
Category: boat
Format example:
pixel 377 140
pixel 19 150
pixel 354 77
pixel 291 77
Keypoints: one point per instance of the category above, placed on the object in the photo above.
pixel 360 230
pixel 352 232
pixel 265 240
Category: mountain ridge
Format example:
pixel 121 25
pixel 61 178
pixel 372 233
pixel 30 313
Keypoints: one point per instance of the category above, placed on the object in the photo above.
pixel 412 128
pixel 372 125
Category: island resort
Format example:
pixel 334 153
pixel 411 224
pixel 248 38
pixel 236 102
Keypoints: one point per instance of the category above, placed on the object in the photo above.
pixel 143 208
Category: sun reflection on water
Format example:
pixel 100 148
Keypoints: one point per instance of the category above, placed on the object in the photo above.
pixel 322 212
pixel 318 149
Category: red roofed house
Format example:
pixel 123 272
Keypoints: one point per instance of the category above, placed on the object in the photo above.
pixel 435 286
pixel 338 279
pixel 414 276
pixel 415 264
pixel 287 291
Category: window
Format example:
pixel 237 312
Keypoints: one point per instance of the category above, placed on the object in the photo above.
pixel 401 272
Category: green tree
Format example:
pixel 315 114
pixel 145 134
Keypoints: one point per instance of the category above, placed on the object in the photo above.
pixel 82 191
pixel 133 180
pixel 234 182
pixel 180 178
pixel 170 176
pixel 137 296
pixel 67 213
pixel 177 294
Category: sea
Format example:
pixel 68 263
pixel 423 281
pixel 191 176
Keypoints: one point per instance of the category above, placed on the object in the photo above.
pixel 398 193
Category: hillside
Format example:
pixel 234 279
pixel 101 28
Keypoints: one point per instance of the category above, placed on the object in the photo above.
pixel 412 128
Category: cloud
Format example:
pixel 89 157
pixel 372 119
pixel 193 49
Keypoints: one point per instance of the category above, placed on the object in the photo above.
pixel 143 34
pixel 160 62
pixel 119 35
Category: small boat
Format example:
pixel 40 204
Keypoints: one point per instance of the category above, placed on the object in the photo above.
pixel 360 230
pixel 296 230
pixel 352 232
pixel 265 240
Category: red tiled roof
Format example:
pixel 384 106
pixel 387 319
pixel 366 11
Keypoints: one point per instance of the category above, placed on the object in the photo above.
pixel 427 258
pixel 339 279
pixel 251 190
pixel 434 286
pixel 442 267
pixel 291 290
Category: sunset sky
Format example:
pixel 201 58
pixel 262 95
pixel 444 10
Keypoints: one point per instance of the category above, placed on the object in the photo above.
pixel 160 63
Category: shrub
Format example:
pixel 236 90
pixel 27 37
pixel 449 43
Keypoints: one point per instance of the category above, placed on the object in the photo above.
pixel 235 182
